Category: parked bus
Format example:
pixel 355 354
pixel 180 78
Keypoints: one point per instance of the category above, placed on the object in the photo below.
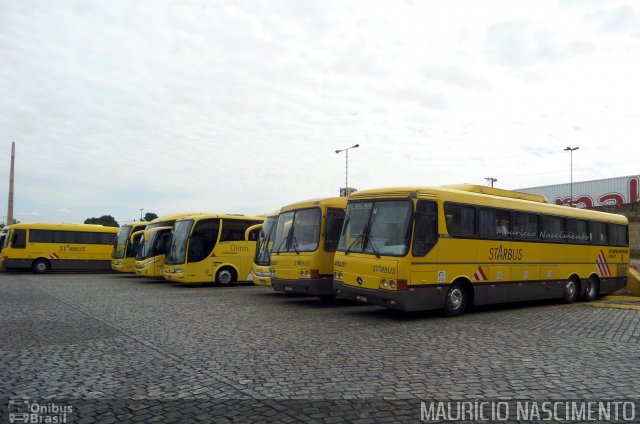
pixel 456 246
pixel 125 248
pixel 150 257
pixel 262 259
pixel 305 241
pixel 44 247
pixel 154 244
pixel 212 248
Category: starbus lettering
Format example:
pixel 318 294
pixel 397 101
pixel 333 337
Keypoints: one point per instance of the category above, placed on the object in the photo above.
pixel 339 264
pixel 69 248
pixel 302 263
pixel 236 248
pixel 500 254
pixel 384 269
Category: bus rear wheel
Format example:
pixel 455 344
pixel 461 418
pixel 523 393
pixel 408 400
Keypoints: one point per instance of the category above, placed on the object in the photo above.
pixel 456 300
pixel 225 276
pixel 592 289
pixel 40 266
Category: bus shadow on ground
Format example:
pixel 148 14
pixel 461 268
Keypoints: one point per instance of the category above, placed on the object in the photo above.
pixel 308 301
pixel 382 313
pixel 208 285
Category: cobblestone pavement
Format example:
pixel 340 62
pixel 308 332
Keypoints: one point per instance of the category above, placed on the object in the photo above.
pixel 116 348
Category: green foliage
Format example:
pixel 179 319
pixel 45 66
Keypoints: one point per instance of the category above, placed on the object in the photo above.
pixel 149 216
pixel 106 220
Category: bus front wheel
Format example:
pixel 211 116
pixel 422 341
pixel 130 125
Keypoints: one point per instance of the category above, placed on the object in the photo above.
pixel 225 276
pixel 456 300
pixel 40 266
pixel 570 291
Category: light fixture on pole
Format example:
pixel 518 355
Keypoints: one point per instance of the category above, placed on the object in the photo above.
pixel 491 180
pixel 570 150
pixel 346 167
pixel 141 209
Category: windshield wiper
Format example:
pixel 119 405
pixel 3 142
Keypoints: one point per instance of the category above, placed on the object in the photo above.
pixel 294 244
pixel 371 243
pixel 359 238
pixel 284 240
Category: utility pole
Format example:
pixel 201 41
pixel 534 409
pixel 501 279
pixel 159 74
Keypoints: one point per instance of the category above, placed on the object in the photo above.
pixel 11 172
pixel 347 191
pixel 491 180
pixel 570 150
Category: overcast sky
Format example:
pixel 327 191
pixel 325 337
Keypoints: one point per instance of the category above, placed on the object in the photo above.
pixel 239 106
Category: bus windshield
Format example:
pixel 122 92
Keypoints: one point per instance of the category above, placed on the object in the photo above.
pixel 265 241
pixel 377 227
pixel 150 246
pixel 178 249
pixel 120 249
pixel 298 231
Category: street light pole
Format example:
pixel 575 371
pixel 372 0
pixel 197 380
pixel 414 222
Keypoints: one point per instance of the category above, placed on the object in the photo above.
pixel 491 180
pixel 570 150
pixel 141 209
pixel 346 167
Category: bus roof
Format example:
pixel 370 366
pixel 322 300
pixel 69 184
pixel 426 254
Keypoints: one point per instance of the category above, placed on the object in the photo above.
pixel 135 225
pixel 70 227
pixel 487 197
pixel 200 216
pixel 173 217
pixel 332 202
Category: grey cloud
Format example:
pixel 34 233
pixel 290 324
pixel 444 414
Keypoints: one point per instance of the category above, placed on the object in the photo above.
pixel 523 43
pixel 618 21
pixel 455 76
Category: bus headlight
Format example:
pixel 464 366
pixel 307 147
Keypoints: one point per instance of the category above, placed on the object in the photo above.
pixel 384 283
pixel 340 275
pixel 392 283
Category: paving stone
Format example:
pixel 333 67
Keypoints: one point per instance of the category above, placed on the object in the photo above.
pixel 125 350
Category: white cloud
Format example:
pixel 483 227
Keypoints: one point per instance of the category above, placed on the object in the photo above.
pixel 239 106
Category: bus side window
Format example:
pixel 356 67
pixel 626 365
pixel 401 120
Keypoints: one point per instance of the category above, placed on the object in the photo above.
pixel 426 229
pixel 333 228
pixel 253 235
pixel 19 239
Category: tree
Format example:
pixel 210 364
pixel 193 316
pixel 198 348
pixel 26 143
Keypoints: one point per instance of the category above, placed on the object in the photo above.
pixel 106 220
pixel 149 216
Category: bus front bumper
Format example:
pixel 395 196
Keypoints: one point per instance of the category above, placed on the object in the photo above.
pixel 416 299
pixel 16 263
pixel 314 287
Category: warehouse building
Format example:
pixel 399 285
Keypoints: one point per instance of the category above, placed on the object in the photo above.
pixel 616 195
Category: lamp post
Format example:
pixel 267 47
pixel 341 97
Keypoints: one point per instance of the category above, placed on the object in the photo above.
pixel 491 180
pixel 141 209
pixel 346 167
pixel 570 150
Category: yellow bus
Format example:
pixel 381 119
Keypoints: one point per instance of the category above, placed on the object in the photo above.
pixel 154 243
pixel 262 259
pixel 151 254
pixel 212 248
pixel 305 241
pixel 125 248
pixel 44 247
pixel 452 247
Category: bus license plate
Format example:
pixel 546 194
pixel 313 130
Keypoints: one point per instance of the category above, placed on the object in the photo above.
pixel 288 288
pixel 361 298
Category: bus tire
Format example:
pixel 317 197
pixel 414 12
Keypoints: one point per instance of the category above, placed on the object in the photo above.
pixel 40 266
pixel 592 289
pixel 570 290
pixel 456 300
pixel 225 276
